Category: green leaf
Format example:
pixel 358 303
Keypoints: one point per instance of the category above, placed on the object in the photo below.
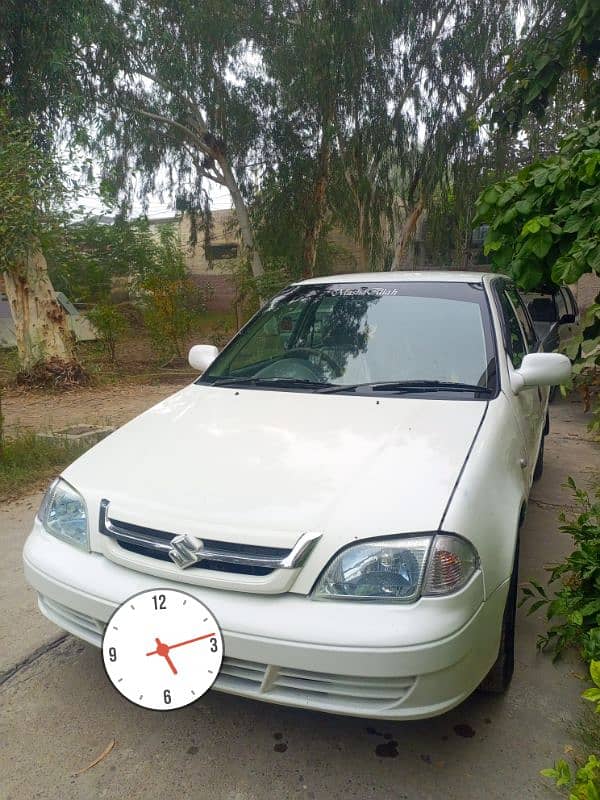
pixel 534 606
pixel 491 196
pixel 548 772
pixel 540 244
pixel 591 694
pixel 507 196
pixel 523 207
pixel 537 585
pixel 531 226
pixel 595 672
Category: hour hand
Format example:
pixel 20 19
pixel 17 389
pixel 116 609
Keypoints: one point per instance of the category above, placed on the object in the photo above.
pixel 162 649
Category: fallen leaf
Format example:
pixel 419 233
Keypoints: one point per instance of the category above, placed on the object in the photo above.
pixel 102 755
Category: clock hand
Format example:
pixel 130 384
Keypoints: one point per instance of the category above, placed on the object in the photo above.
pixel 171 664
pixel 189 641
pixel 162 649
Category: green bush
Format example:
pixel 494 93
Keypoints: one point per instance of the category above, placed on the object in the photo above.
pixel 172 305
pixel 110 325
pixel 583 783
pixel 574 609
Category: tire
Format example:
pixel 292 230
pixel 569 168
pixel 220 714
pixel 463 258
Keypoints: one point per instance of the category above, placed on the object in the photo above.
pixel 539 464
pixel 499 677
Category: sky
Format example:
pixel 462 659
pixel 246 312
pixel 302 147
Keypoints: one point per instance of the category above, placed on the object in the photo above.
pixel 157 207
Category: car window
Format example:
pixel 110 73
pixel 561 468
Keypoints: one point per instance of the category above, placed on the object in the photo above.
pixel 515 340
pixel 524 319
pixel 541 307
pixel 349 334
pixel 569 300
pixel 561 305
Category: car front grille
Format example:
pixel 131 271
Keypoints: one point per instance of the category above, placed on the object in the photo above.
pixel 232 557
pixel 145 548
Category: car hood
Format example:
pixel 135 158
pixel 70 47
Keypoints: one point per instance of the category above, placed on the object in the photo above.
pixel 262 467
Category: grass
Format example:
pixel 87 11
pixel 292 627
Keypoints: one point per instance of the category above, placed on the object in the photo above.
pixel 27 460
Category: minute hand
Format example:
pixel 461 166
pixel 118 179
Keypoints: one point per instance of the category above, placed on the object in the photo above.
pixel 189 641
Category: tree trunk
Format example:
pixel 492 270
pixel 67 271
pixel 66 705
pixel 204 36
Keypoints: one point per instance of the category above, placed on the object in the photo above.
pixel 41 326
pixel 243 217
pixel 315 222
pixel 406 234
pixel 364 255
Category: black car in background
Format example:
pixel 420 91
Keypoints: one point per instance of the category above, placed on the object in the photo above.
pixel 555 313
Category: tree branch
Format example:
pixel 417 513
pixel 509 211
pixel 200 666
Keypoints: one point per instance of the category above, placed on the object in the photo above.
pixel 196 137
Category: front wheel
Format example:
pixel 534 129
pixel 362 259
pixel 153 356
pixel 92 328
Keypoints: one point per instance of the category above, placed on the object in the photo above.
pixel 499 677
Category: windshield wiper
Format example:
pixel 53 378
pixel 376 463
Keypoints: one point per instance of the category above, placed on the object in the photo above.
pixel 284 383
pixel 408 386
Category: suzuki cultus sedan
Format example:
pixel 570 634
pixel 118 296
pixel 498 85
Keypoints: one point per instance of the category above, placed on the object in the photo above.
pixel 343 487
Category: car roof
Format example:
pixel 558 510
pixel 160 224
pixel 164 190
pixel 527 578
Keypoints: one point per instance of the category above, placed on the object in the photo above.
pixel 431 276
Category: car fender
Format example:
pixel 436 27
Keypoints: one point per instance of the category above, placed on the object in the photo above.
pixel 490 494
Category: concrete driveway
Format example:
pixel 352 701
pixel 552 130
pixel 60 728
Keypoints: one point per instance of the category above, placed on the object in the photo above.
pixel 60 712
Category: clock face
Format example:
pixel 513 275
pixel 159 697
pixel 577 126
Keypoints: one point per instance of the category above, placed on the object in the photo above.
pixel 162 649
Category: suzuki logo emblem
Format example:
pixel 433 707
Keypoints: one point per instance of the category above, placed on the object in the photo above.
pixel 186 550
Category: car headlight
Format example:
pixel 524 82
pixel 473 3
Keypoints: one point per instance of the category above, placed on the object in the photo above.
pixel 63 514
pixel 399 570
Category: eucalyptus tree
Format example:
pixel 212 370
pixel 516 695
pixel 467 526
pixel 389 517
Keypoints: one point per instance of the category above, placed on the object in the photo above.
pixel 42 80
pixel 447 75
pixel 179 101
pixel 31 191
pixel 324 60
pixel 383 94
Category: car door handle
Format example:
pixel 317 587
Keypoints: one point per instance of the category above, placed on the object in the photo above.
pixel 522 463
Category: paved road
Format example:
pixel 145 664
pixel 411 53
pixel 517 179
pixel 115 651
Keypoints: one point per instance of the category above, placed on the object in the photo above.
pixel 60 713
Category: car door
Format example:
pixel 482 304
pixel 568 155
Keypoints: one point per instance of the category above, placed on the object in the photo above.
pixel 530 404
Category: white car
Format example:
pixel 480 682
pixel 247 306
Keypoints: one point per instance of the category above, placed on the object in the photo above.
pixel 346 480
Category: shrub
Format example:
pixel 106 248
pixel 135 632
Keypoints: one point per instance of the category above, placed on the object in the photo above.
pixel 111 326
pixel 593 694
pixel 172 308
pixel 584 783
pixel 575 607
pixel 172 304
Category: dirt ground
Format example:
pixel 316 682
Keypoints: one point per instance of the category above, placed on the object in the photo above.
pixel 60 713
pixel 103 405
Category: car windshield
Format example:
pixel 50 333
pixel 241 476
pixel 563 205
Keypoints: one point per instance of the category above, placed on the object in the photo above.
pixel 373 337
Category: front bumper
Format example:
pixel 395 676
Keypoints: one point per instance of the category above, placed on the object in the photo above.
pixel 367 660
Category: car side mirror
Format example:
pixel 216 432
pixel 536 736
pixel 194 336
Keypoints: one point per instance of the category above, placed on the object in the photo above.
pixel 567 319
pixel 541 369
pixel 201 356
